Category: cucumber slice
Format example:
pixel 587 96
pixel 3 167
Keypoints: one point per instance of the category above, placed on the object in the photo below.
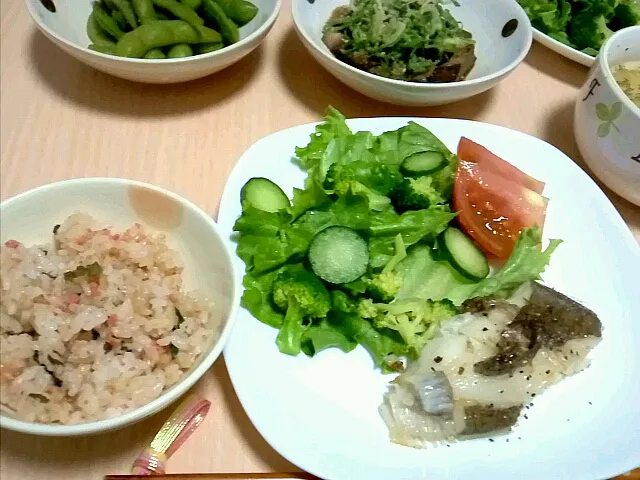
pixel 423 163
pixel 339 255
pixel 263 194
pixel 463 254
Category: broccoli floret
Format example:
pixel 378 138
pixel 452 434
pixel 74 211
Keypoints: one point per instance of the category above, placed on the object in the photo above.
pixel 415 321
pixel 303 296
pixel 416 194
pixel 367 308
pixel 384 286
pixel 588 28
pixel 626 14
pixel 370 180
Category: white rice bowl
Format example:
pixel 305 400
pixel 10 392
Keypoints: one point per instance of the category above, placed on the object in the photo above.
pixel 100 324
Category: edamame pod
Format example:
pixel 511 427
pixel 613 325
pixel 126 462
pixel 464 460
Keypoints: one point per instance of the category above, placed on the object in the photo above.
pixel 161 16
pixel 208 47
pixel 240 11
pixel 108 49
pixel 229 30
pixel 208 35
pixel 193 4
pixel 127 11
pixel 180 11
pixel 138 42
pixel 120 20
pixel 96 34
pixel 180 50
pixel 144 10
pixel 155 53
pixel 105 21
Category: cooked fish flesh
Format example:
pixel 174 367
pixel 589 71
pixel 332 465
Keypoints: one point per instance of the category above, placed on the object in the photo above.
pixel 484 365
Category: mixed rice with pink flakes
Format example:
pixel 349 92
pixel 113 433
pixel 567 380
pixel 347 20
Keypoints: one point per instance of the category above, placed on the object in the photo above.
pixel 95 324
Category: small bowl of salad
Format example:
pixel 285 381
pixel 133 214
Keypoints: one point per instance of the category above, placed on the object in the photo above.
pixel 607 115
pixel 415 52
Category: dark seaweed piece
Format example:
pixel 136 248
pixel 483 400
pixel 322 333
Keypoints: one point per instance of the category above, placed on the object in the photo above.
pixel 54 360
pixel 95 334
pixel 37 396
pixel 550 319
pixel 180 317
pixel 56 381
pixel 174 351
pixel 55 229
pixel 480 419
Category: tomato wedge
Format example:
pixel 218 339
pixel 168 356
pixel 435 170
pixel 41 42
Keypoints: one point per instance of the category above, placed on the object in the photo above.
pixel 470 151
pixel 493 210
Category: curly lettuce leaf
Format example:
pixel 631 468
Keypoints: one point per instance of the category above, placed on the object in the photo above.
pixel 333 126
pixel 526 263
pixel 549 16
pixel 413 226
pixel 428 278
pixel 270 240
pixel 259 244
pixel 425 277
pixel 326 335
pixel 312 196
pixel 415 138
pixel 257 298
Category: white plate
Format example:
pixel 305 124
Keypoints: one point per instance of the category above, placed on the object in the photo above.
pixel 322 413
pixel 562 49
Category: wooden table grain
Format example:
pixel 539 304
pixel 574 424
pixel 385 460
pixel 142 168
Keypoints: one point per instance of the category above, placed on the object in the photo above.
pixel 61 119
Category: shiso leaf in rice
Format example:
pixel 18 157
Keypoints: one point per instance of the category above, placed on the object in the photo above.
pixel 92 271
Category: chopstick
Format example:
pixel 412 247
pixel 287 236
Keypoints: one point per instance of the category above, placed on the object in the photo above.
pixel 633 475
pixel 218 476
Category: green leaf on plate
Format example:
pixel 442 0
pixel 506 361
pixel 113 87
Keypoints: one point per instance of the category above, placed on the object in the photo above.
pixel 603 129
pixel 602 112
pixel 616 110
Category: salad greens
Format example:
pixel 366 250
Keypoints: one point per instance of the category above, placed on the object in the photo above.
pixel 401 39
pixel 582 24
pixel 409 288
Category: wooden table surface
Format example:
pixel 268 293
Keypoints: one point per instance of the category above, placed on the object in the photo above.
pixel 61 119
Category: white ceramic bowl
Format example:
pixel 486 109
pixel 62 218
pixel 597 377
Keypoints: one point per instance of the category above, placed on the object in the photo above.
pixel 607 122
pixel 497 56
pixel 67 28
pixel 29 217
pixel 562 49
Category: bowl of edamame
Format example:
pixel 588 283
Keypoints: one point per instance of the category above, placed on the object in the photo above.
pixel 156 41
